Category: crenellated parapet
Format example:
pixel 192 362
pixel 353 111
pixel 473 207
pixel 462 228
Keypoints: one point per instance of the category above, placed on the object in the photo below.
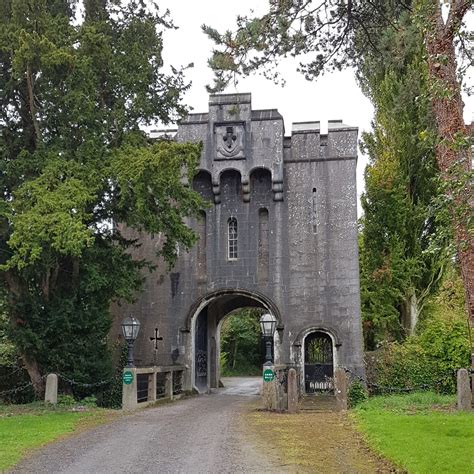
pixel 307 143
pixel 235 137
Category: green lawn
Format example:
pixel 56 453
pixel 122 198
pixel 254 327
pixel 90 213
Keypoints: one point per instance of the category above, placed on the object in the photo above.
pixel 421 433
pixel 24 429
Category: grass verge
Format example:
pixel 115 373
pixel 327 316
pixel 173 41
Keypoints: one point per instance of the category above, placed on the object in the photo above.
pixel 309 441
pixel 419 432
pixel 26 427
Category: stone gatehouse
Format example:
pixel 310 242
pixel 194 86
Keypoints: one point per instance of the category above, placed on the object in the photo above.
pixel 281 235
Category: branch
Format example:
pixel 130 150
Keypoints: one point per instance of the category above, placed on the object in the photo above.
pixel 458 10
pixel 31 102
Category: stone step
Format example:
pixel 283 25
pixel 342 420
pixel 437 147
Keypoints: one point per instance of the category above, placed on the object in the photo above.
pixel 318 403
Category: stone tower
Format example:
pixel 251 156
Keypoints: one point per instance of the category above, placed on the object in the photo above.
pixel 281 234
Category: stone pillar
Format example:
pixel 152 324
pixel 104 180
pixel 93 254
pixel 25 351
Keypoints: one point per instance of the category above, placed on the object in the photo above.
pixel 340 388
pixel 152 386
pixel 169 385
pixel 51 392
pixel 464 390
pixel 129 389
pixel 292 391
pixel 269 390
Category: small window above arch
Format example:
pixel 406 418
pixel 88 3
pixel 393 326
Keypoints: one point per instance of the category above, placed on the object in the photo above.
pixel 232 239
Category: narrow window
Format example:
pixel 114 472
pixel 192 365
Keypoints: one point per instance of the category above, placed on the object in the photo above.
pixel 201 246
pixel 262 272
pixel 232 236
pixel 314 211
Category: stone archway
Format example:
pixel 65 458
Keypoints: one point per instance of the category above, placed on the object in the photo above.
pixel 204 324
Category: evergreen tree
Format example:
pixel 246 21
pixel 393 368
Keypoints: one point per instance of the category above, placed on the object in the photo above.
pixel 74 163
pixel 401 264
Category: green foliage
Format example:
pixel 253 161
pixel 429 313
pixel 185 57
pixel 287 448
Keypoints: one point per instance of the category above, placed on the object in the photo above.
pixel 66 401
pixel 90 402
pixel 111 395
pixel 430 358
pixel 356 394
pixel 328 35
pixel 8 355
pixel 223 361
pixel 400 264
pixel 418 432
pixel 241 348
pixel 409 402
pixel 79 178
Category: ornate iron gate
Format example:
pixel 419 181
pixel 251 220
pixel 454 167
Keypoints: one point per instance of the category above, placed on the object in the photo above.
pixel 200 350
pixel 318 363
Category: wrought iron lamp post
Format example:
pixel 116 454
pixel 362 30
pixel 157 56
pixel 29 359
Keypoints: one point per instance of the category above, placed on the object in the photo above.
pixel 130 329
pixel 268 325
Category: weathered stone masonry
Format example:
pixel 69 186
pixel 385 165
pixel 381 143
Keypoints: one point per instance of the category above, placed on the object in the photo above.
pixel 280 234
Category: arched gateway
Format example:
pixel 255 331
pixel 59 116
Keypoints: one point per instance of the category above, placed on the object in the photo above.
pixel 281 235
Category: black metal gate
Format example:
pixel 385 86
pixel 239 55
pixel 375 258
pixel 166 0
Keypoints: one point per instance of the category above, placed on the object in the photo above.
pixel 200 350
pixel 318 363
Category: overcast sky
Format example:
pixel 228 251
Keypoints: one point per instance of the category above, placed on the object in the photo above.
pixel 333 96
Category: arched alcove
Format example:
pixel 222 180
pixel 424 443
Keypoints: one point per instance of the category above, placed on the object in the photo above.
pixel 202 183
pixel 230 185
pixel 261 187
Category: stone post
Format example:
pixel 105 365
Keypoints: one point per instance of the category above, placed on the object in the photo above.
pixel 292 391
pixel 129 389
pixel 169 385
pixel 152 386
pixel 464 391
pixel 269 389
pixel 51 392
pixel 340 388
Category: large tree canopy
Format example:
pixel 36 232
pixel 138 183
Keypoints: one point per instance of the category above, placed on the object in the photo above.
pixel 74 95
pixel 331 34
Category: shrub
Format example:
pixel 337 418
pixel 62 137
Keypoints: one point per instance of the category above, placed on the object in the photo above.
pixel 89 402
pixel 357 394
pixel 429 359
pixel 110 396
pixel 66 401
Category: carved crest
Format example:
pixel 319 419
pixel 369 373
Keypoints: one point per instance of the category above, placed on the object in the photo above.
pixel 229 142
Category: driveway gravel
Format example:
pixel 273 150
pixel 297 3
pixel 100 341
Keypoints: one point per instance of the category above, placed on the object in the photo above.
pixel 202 434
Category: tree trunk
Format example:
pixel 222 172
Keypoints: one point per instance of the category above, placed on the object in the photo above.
pixel 453 157
pixel 409 309
pixel 35 375
pixel 234 355
pixel 14 286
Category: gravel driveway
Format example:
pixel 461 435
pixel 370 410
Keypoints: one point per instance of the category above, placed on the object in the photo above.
pixel 202 434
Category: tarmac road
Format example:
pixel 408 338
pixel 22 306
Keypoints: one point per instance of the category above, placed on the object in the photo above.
pixel 198 435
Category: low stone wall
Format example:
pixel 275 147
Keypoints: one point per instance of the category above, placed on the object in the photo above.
pixel 146 385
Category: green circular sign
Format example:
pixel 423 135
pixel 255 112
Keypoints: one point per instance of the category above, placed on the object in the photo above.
pixel 268 375
pixel 127 377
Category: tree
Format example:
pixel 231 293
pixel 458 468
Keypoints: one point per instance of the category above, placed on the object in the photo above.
pixel 73 163
pixel 241 342
pixel 402 255
pixel 453 150
pixel 339 33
